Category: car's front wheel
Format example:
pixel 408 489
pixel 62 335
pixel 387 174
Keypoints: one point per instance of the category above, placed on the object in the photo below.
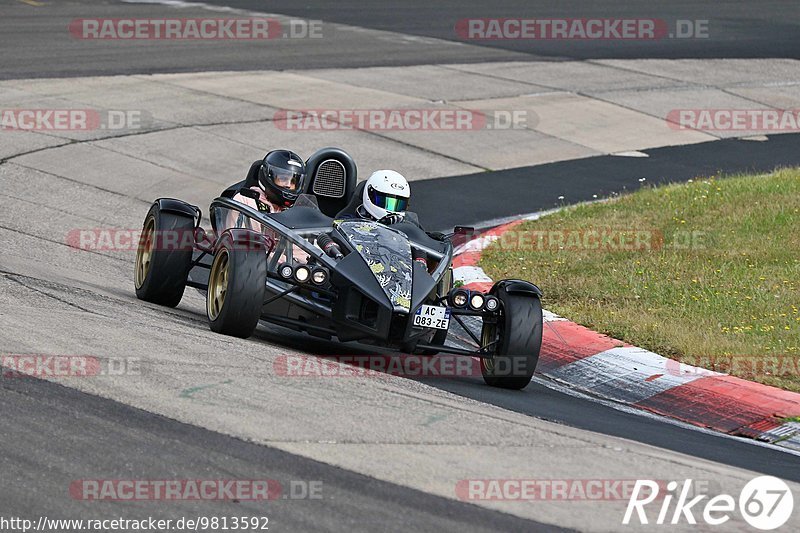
pixel 518 337
pixel 163 257
pixel 236 289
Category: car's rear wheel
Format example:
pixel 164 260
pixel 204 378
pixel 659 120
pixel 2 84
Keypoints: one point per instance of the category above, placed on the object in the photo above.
pixel 236 289
pixel 518 336
pixel 163 257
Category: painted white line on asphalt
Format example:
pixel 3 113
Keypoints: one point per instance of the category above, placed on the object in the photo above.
pixel 528 216
pixel 630 153
pixel 475 245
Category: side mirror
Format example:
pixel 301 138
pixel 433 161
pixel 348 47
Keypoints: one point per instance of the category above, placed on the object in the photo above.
pixel 463 234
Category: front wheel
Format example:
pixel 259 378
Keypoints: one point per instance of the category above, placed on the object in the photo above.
pixel 236 289
pixel 518 337
pixel 163 257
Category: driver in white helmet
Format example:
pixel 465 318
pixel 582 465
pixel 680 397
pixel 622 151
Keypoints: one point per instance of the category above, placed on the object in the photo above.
pixel 385 197
pixel 385 200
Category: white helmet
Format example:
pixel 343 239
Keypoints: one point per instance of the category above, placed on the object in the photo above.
pixel 386 192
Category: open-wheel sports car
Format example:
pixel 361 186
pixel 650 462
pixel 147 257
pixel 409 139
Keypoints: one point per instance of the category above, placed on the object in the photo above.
pixel 351 279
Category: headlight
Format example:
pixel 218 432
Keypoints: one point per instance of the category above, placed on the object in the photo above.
pixel 285 271
pixel 319 276
pixel 302 273
pixel 459 298
pixel 492 303
pixel 476 301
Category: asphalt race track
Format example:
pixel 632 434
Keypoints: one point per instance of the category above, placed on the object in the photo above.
pixel 735 28
pixel 129 436
pixel 388 452
pixel 384 34
pixel 582 180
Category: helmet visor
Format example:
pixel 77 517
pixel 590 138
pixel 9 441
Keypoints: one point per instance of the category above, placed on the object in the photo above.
pixel 286 179
pixel 390 202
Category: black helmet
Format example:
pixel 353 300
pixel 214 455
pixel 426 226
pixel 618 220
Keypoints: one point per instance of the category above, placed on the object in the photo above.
pixel 282 176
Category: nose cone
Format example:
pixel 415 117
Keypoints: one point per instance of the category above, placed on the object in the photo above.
pixel 388 255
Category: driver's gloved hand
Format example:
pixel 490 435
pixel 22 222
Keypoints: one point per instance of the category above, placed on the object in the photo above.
pixel 391 218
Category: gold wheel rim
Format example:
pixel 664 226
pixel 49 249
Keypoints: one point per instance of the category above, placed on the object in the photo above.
pixel 144 253
pixel 488 334
pixel 217 285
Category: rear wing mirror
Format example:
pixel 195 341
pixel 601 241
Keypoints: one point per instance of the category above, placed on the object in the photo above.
pixel 462 235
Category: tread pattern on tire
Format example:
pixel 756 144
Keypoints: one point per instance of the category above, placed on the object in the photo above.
pixel 521 345
pixel 244 298
pixel 165 282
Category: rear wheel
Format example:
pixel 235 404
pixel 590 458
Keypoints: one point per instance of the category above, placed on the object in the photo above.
pixel 164 257
pixel 236 289
pixel 518 333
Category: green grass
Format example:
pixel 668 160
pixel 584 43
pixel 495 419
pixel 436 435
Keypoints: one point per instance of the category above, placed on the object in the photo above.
pixel 721 290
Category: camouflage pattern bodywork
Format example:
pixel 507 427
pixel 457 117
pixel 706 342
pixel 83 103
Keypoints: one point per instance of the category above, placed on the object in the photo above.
pixel 388 254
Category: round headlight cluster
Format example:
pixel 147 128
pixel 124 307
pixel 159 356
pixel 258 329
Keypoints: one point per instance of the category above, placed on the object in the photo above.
pixel 303 273
pixel 476 301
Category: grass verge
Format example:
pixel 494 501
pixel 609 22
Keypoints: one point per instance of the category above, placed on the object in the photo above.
pixel 706 272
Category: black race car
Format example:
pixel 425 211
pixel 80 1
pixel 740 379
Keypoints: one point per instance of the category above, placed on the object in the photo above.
pixel 308 269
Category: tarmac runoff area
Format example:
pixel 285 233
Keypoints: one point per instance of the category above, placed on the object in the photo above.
pixel 198 134
pixel 189 135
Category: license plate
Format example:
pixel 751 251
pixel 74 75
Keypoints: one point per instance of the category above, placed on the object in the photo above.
pixel 432 316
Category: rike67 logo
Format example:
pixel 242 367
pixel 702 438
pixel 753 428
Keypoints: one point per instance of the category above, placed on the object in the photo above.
pixel 766 503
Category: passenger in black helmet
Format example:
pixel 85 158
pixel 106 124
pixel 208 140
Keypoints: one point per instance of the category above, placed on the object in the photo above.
pixel 280 178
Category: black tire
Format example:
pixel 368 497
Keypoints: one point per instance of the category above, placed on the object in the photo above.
pixel 234 305
pixel 519 334
pixel 164 257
